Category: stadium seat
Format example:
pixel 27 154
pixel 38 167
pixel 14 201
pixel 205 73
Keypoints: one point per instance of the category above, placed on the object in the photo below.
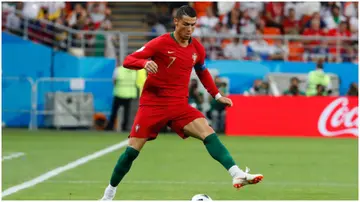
pixel 201 7
pixel 271 31
pixel 246 42
pixel 225 42
pixel 296 50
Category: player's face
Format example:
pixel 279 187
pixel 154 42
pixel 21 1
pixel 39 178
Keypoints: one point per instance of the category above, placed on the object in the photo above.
pixel 185 26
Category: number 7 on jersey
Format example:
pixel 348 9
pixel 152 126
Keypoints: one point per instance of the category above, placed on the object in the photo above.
pixel 172 61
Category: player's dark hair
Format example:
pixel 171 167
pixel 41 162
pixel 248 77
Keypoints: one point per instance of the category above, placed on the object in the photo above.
pixel 185 11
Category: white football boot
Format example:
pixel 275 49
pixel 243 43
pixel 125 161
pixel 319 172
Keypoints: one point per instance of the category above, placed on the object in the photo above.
pixel 109 193
pixel 249 179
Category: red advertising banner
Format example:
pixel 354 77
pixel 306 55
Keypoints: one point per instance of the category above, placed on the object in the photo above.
pixel 292 116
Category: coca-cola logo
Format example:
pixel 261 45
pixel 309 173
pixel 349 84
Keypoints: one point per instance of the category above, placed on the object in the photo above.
pixel 339 119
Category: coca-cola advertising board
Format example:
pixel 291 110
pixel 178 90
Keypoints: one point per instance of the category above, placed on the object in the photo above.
pixel 292 116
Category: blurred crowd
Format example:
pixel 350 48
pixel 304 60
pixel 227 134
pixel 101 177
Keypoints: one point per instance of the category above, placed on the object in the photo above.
pixel 261 87
pixel 50 20
pixel 260 24
pixel 255 19
pixel 317 83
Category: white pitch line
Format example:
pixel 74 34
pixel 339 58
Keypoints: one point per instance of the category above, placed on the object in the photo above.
pixel 220 183
pixel 12 156
pixel 61 169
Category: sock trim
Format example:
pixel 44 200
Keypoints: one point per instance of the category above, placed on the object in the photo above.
pixel 209 137
pixel 132 150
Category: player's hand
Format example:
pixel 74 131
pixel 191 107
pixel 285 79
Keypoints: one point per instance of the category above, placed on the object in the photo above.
pixel 151 67
pixel 226 101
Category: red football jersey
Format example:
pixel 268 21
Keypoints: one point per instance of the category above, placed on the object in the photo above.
pixel 169 85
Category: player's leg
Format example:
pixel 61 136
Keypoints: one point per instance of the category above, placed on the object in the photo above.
pixel 191 122
pixel 146 125
pixel 126 159
pixel 200 129
pixel 123 165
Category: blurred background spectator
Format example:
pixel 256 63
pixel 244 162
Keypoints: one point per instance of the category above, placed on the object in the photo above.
pixel 278 51
pixel 196 97
pixel 125 91
pixel 259 88
pixel 294 89
pixel 333 20
pixel 291 24
pixel 156 28
pixel 216 113
pixel 318 82
pixel 258 48
pixel 235 50
pixel 14 23
pixel 208 22
pixel 353 90
pixel 213 49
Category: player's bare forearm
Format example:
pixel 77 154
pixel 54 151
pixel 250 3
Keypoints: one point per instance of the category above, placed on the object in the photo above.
pixel 131 62
pixel 208 82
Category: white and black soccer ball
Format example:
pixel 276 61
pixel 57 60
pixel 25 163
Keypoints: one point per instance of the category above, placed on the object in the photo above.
pixel 201 197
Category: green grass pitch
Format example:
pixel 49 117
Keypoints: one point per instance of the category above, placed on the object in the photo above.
pixel 171 168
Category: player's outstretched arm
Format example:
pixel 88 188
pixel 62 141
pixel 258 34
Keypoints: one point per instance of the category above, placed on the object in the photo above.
pixel 131 62
pixel 140 58
pixel 208 82
pixel 206 78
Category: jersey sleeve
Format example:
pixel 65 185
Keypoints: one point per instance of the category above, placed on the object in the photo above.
pixel 138 59
pixel 200 64
pixel 204 74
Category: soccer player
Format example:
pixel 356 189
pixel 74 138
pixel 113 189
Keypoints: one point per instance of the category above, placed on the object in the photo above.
pixel 169 60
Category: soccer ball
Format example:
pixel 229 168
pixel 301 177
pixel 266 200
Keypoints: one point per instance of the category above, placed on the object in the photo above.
pixel 201 197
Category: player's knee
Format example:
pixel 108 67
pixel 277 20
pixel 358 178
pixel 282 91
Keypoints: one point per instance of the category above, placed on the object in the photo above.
pixel 208 130
pixel 137 143
pixel 206 134
pixel 199 129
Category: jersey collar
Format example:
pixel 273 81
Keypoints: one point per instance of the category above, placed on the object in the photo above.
pixel 173 36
